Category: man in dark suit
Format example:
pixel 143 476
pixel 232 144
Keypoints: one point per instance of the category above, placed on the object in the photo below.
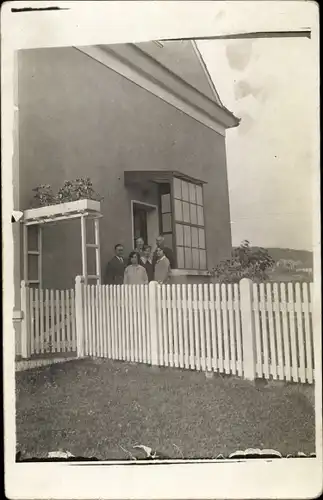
pixel 115 269
pixel 160 242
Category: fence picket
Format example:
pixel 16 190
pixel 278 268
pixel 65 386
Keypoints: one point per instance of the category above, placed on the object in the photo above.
pixel 46 333
pixel 233 361
pixel 185 327
pixel 73 321
pixel 32 320
pixel 219 330
pixel 127 324
pixel 57 309
pixel 41 333
pixel 278 332
pixel 118 325
pixel 148 340
pixel 309 347
pixel 266 361
pixel 201 352
pixel 52 321
pixel 284 308
pixel 213 329
pixel 197 355
pixel 174 310
pixel 238 328
pixel 190 325
pixel 273 360
pixel 37 336
pixel 300 334
pixel 181 320
pixel 140 343
pixel 68 314
pixel 170 326
pixel 258 336
pixel 159 324
pixel 94 320
pixel 62 326
pixel 207 327
pixel 224 308
pixel 292 331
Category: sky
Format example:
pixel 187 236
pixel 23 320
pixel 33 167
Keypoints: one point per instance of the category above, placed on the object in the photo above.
pixel 269 84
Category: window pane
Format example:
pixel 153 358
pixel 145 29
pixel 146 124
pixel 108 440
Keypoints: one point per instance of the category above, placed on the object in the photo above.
pixel 186 212
pixel 165 203
pixel 185 195
pixel 180 257
pixel 177 188
pixel 195 254
pixel 168 238
pixel 178 210
pixel 193 214
pixel 202 259
pixel 188 258
pixel 199 198
pixel 179 234
pixel 167 222
pixel 200 217
pixel 201 238
pixel 192 193
pixel 195 242
pixel 187 236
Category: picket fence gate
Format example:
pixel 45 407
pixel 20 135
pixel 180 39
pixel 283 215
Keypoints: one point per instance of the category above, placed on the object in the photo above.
pixel 246 329
pixel 49 321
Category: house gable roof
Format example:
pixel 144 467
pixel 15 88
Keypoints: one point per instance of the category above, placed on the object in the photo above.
pixel 182 58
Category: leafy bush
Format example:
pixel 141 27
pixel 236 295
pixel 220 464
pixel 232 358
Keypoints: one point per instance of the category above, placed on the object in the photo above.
pixel 78 189
pixel 245 262
pixel 44 195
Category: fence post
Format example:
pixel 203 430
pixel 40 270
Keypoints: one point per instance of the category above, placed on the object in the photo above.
pixel 248 329
pixel 25 330
pixel 79 315
pixel 153 322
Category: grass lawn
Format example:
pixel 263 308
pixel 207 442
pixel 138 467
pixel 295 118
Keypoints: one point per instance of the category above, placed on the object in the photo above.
pixel 97 407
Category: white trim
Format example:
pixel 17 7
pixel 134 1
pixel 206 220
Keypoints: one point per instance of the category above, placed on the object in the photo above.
pixel 192 107
pixel 207 74
pixel 189 272
pixel 137 202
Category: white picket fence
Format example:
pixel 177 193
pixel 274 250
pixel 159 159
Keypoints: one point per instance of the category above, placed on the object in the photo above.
pixel 246 329
pixel 49 321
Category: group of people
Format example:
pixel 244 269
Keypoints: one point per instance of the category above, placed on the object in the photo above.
pixel 142 266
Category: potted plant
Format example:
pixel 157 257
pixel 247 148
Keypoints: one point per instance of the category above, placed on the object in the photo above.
pixel 73 196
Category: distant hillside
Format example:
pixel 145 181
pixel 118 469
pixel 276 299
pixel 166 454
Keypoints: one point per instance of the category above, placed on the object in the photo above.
pixel 303 256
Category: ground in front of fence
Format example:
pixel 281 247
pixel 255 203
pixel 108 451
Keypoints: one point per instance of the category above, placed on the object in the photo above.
pixel 102 408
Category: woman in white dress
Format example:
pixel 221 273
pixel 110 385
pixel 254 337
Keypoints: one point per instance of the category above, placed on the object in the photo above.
pixel 135 274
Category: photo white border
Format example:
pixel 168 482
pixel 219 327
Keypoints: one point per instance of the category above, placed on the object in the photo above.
pixel 89 23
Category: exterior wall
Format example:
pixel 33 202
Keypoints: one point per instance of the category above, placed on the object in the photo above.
pixel 77 118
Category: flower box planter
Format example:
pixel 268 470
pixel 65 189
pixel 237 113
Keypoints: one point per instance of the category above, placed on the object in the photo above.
pixel 62 209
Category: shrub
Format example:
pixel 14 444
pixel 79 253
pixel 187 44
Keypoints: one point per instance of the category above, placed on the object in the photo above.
pixel 245 262
pixel 44 195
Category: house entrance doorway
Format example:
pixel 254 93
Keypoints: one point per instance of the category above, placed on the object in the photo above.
pixel 145 223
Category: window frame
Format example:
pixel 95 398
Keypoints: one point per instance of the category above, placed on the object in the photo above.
pixel 175 222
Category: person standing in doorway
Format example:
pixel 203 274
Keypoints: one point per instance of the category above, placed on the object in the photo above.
pixel 162 267
pixel 135 274
pixel 168 253
pixel 140 246
pixel 115 269
pixel 146 262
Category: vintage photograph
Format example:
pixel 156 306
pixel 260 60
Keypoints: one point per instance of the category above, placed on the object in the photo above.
pixel 163 250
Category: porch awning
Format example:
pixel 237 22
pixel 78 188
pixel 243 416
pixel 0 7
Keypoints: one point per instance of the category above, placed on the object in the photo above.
pixel 158 176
